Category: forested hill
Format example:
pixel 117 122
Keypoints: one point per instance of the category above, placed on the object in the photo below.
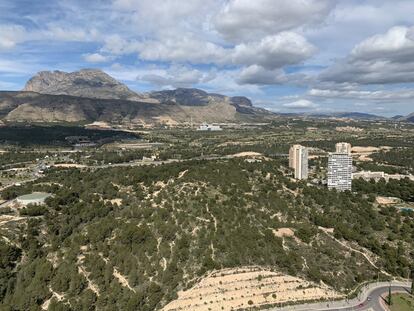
pixel 130 238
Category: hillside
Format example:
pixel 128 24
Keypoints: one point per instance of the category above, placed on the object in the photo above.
pixel 216 216
pixel 91 95
pixel 408 118
pixel 130 238
pixel 40 108
pixel 91 83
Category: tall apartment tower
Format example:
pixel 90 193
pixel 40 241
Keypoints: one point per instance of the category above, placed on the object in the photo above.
pixel 298 160
pixel 343 148
pixel 340 171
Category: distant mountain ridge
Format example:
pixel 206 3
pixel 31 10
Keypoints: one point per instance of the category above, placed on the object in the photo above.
pixel 33 107
pixel 90 83
pixel 339 115
pixel 94 83
pixel 351 115
pixel 407 118
pixel 91 95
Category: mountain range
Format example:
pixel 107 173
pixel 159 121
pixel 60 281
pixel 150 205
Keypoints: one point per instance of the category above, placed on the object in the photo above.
pixel 408 118
pixel 91 95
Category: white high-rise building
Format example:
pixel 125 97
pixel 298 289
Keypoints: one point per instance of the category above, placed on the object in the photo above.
pixel 343 148
pixel 298 160
pixel 340 171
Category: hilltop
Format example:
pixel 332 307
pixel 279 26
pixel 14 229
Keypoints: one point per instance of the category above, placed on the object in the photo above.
pixel 91 95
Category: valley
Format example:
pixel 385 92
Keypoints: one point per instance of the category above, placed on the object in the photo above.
pixel 151 221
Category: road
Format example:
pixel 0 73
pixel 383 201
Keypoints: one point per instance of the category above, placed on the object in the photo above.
pixel 369 299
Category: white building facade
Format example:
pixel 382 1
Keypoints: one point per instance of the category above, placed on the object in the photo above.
pixel 209 127
pixel 298 160
pixel 343 148
pixel 340 171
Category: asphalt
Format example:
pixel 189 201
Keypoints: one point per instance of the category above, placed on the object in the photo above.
pixel 370 298
pixel 376 301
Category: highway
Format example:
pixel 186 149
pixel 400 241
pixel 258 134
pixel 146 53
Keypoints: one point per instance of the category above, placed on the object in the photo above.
pixel 370 298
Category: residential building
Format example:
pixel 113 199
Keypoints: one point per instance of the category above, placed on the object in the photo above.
pixel 368 175
pixel 298 161
pixel 209 127
pixel 340 171
pixel 343 148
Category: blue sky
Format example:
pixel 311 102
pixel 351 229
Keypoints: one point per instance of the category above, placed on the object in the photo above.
pixel 286 55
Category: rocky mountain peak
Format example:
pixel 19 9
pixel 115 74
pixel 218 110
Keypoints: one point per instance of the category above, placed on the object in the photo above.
pixel 92 83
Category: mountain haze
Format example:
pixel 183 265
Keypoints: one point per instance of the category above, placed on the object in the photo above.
pixel 408 118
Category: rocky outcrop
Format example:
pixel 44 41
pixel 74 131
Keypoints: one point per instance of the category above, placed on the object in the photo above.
pixel 91 95
pixel 196 97
pixel 91 83
pixel 44 108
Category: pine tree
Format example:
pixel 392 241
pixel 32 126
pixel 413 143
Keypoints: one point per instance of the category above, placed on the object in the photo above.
pixel 389 296
pixel 412 282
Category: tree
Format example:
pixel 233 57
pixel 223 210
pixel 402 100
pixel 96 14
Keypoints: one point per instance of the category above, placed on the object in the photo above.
pixel 389 296
pixel 412 282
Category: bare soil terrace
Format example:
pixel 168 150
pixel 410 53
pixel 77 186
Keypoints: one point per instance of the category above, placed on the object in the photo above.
pixel 232 289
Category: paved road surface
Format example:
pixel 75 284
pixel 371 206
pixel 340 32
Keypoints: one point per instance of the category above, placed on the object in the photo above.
pixel 369 299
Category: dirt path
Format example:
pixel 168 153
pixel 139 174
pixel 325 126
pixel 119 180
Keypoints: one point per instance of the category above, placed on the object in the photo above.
pixel 122 280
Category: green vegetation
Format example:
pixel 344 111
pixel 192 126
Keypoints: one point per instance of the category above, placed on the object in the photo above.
pixel 169 230
pixel 55 135
pixel 403 157
pixel 402 302
pixel 403 189
pixel 163 227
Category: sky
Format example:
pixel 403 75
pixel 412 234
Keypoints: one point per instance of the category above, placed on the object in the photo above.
pixel 286 55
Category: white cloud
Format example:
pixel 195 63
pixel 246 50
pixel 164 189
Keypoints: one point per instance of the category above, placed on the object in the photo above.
pixel 95 58
pixel 285 48
pixel 381 95
pixel 176 76
pixel 10 36
pixel 301 104
pixel 271 52
pixel 165 18
pixel 184 49
pixel 395 45
pixel 381 59
pixel 70 34
pixel 258 75
pixel 241 20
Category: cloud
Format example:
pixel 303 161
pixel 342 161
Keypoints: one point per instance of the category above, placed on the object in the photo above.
pixel 381 59
pixel 396 45
pixel 177 76
pixel 285 48
pixel 258 75
pixel 95 58
pixel 241 20
pixel 164 18
pixel 184 49
pixel 301 104
pixel 10 36
pixel 381 95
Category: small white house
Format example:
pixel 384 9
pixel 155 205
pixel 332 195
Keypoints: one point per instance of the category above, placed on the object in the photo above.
pixel 209 127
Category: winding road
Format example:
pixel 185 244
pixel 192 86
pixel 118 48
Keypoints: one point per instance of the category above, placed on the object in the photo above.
pixel 370 298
